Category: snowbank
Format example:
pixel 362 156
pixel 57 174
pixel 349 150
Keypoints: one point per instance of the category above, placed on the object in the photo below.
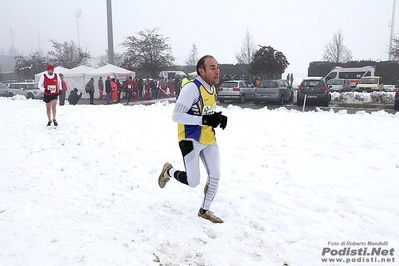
pixel 362 97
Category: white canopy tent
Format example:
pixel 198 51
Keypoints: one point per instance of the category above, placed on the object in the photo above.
pixel 104 72
pixel 58 70
pixel 78 81
pixel 192 75
pixel 72 79
pixel 82 69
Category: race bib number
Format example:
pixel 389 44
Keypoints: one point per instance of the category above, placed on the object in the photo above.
pixel 208 110
pixel 52 88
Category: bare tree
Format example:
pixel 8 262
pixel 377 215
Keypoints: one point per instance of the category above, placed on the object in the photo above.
pixel 68 55
pixel 336 51
pixel 248 48
pixel 103 60
pixel 394 51
pixel 26 68
pixel 149 51
pixel 193 56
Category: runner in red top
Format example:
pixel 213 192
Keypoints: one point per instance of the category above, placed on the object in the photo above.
pixel 50 84
pixel 147 88
pixel 129 89
pixel 171 86
pixel 135 90
pixel 162 91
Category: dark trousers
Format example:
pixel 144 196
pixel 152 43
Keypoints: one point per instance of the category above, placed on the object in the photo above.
pixel 128 95
pixel 119 96
pixel 91 94
pixel 62 97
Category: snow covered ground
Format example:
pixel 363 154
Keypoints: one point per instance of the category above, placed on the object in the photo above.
pixel 86 193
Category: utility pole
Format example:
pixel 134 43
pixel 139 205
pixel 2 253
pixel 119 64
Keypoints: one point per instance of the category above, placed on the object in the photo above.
pixel 78 14
pixel 110 34
pixel 39 48
pixel 12 51
pixel 392 30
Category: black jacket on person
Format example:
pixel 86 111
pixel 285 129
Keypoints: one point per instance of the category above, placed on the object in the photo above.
pixel 108 88
pixel 140 84
pixel 73 97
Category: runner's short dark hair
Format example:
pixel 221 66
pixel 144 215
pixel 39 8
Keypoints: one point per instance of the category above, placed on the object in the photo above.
pixel 201 63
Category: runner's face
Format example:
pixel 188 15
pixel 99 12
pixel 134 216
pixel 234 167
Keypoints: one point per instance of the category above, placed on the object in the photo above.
pixel 211 72
pixel 50 72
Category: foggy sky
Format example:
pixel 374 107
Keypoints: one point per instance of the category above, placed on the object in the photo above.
pixel 299 29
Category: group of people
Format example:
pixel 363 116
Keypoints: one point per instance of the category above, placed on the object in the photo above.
pixel 112 90
pixel 195 113
pixel 290 78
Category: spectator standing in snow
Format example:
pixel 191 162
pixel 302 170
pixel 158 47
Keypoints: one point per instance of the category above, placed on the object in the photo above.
pixel 184 81
pixel 171 86
pixel 177 85
pixel 114 89
pixel 101 88
pixel 120 88
pixel 90 90
pixel 140 86
pixel 108 89
pixel 154 88
pixel 64 89
pixel 147 89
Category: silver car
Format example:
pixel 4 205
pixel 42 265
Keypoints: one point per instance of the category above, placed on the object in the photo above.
pixel 3 90
pixel 274 91
pixel 28 89
pixel 236 90
pixel 339 85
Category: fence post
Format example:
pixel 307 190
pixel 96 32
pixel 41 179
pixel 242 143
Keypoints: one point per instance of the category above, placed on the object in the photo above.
pixel 304 103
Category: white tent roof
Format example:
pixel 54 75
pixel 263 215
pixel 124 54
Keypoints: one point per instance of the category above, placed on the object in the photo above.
pixel 65 71
pixel 110 70
pixel 193 74
pixel 82 69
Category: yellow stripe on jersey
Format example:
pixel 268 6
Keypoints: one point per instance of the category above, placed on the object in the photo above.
pixel 206 104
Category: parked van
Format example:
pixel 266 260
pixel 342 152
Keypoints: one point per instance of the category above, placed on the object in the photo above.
pixel 172 74
pixel 352 74
pixel 370 84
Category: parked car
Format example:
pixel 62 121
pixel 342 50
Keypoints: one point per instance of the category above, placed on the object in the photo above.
pixel 236 90
pixel 29 89
pixel 396 102
pixel 274 91
pixel 370 84
pixel 339 85
pixel 316 91
pixel 3 90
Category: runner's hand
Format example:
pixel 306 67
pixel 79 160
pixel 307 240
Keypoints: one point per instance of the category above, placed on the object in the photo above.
pixel 212 120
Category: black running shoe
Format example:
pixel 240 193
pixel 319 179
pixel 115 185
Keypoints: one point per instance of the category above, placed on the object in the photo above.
pixel 55 122
pixel 49 123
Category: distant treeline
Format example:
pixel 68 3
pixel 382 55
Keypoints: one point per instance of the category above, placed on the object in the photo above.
pixel 388 70
pixel 225 69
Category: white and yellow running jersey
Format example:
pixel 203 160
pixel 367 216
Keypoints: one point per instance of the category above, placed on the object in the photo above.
pixel 205 104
